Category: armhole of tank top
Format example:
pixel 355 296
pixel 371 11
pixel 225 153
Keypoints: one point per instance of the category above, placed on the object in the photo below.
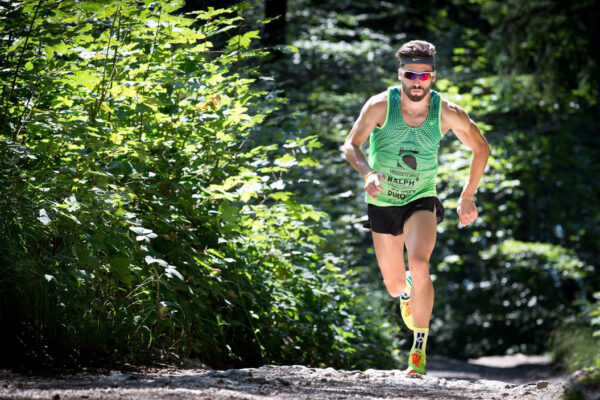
pixel 440 103
pixel 387 111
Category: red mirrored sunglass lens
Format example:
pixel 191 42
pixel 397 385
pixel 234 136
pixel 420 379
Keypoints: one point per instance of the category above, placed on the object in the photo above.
pixel 423 76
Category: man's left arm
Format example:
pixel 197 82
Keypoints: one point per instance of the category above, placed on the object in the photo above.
pixel 468 133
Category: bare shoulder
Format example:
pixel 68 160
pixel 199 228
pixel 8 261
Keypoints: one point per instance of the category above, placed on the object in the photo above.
pixel 372 115
pixel 453 116
pixel 375 108
pixel 379 98
pixel 452 111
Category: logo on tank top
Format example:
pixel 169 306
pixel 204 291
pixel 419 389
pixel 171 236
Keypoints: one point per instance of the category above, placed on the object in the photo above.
pixel 407 159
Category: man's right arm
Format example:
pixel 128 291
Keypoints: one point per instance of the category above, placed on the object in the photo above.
pixel 371 115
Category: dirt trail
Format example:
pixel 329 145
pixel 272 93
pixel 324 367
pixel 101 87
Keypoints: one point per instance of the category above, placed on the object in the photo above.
pixel 508 377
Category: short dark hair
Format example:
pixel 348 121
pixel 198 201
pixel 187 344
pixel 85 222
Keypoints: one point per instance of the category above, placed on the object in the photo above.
pixel 416 48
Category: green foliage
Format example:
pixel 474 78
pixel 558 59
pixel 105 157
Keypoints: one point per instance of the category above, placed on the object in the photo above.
pixel 576 342
pixel 584 384
pixel 142 217
pixel 575 347
pixel 524 288
pixel 536 44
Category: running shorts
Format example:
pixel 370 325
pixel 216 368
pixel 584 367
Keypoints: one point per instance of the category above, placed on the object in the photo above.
pixel 391 219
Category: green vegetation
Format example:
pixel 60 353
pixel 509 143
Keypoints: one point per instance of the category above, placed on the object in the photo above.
pixel 141 218
pixel 172 187
pixel 575 346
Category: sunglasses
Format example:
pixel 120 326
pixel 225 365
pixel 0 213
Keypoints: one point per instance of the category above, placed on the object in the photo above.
pixel 423 76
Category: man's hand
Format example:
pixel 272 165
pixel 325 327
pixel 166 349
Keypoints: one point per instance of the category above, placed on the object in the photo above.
pixel 373 185
pixel 467 213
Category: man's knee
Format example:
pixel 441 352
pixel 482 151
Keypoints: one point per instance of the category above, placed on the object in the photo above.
pixel 419 269
pixel 418 263
pixel 395 287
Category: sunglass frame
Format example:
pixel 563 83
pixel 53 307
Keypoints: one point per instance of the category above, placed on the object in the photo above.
pixel 428 74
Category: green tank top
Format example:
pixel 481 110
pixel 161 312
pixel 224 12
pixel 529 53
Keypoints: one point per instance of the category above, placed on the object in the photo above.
pixel 406 155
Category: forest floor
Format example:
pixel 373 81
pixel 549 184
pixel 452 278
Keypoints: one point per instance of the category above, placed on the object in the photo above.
pixel 504 377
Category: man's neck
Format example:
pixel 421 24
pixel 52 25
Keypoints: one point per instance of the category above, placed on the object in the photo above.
pixel 414 107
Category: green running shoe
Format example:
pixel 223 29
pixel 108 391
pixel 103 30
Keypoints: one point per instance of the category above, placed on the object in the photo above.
pixel 416 363
pixel 405 303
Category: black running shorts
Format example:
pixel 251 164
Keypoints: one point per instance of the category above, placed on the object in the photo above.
pixel 391 219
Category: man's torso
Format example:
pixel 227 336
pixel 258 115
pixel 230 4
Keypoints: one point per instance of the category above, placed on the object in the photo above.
pixel 404 148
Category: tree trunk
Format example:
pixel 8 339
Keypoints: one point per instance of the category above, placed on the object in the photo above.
pixel 596 40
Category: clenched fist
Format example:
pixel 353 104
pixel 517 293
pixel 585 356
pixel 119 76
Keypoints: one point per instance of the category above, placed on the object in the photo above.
pixel 373 184
pixel 467 212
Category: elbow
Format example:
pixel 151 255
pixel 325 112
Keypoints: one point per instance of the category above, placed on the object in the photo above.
pixel 348 148
pixel 483 148
pixel 486 148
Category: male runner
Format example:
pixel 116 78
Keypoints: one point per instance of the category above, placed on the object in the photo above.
pixel 405 125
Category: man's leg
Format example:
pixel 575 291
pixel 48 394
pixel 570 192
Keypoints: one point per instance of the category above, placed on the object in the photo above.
pixel 420 232
pixel 389 250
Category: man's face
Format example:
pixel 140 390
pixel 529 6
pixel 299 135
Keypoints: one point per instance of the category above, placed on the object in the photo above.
pixel 416 89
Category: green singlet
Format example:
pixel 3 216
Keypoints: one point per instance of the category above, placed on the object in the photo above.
pixel 406 155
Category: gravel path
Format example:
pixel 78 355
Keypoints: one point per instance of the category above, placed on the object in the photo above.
pixel 514 377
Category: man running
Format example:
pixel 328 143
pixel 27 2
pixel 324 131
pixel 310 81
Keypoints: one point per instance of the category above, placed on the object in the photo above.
pixel 405 125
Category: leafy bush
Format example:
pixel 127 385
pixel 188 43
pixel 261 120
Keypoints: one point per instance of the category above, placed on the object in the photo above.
pixel 518 287
pixel 583 384
pixel 574 347
pixel 575 344
pixel 141 218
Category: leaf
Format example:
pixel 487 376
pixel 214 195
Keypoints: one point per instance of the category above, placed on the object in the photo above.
pixel 225 137
pixel 214 79
pixel 151 260
pixel 83 256
pixel 281 196
pixel 314 215
pixel 211 12
pixel 244 40
pixel 143 234
pixel 120 90
pixel 287 48
pixel 229 212
pixel 171 272
pixel 60 101
pixel 286 161
pixel 59 48
pixel 85 53
pixel 120 266
pixel 106 10
pixel 171 6
pixel 309 162
pixel 139 230
pixel 43 217
pixel 83 78
pixel 49 52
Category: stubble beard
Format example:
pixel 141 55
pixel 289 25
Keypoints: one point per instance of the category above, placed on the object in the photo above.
pixel 415 98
